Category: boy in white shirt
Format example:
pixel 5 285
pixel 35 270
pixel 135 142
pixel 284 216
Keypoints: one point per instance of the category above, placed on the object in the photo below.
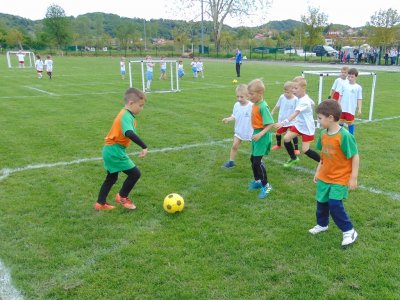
pixel 304 124
pixel 39 66
pixel 350 100
pixel 242 116
pixel 193 64
pixel 163 69
pixel 338 83
pixel 286 104
pixel 122 68
pixel 199 67
pixel 149 72
pixel 181 71
pixel 49 66
pixel 21 59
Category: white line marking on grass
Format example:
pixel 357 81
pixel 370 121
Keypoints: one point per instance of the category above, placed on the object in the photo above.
pixel 39 90
pixel 7 291
pixel 5 172
pixel 379 120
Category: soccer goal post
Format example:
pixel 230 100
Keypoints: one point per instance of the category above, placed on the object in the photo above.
pixel 12 59
pixel 319 85
pixel 138 78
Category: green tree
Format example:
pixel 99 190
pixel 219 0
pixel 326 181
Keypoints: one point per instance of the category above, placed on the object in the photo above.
pixel 382 27
pixel 57 25
pixel 314 22
pixel 14 38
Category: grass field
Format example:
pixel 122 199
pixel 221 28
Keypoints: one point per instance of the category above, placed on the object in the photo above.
pixel 226 244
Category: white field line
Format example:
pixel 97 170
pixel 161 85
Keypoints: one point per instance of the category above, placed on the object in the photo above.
pixel 39 90
pixel 7 291
pixel 5 172
pixel 378 120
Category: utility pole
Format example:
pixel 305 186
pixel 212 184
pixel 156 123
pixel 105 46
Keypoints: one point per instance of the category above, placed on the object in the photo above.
pixel 144 29
pixel 202 28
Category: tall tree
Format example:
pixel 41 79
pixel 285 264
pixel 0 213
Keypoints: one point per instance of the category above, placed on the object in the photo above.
pixel 219 10
pixel 14 37
pixel 383 27
pixel 57 25
pixel 314 22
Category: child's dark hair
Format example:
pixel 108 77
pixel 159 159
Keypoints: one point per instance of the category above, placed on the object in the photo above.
pixel 134 95
pixel 353 71
pixel 330 108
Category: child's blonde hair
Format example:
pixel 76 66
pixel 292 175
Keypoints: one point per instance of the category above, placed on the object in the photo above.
pixel 288 85
pixel 242 88
pixel 134 95
pixel 300 80
pixel 345 68
pixel 256 85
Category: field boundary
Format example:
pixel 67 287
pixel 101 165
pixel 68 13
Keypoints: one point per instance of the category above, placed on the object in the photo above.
pixel 7 290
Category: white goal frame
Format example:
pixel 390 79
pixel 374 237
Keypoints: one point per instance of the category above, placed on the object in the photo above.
pixel 173 67
pixel 336 73
pixel 29 54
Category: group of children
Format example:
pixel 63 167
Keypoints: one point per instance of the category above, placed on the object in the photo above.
pixel 197 67
pixel 338 163
pixel 39 64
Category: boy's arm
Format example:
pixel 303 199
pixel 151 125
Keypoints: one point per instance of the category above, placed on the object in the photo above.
pixel 137 140
pixel 257 136
pixel 359 105
pixel 316 172
pixel 229 119
pixel 287 121
pixel 355 163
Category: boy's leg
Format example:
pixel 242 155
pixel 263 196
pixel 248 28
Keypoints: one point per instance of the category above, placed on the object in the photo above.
pixel 322 214
pixel 310 153
pixel 296 143
pixel 289 136
pixel 278 140
pixel 130 181
pixel 235 147
pixel 259 170
pixel 110 180
pixel 339 215
pixel 351 128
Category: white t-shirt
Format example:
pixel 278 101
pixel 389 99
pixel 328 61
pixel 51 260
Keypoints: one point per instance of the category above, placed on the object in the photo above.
pixel 39 65
pixel 350 93
pixel 199 66
pixel 163 65
pixel 49 65
pixel 149 67
pixel 21 56
pixel 242 115
pixel 304 122
pixel 338 84
pixel 286 108
pixel 122 65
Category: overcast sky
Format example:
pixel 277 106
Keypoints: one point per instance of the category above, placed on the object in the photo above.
pixel 348 12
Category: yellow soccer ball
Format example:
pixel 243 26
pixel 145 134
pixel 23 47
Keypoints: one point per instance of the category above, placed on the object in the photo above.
pixel 234 81
pixel 173 203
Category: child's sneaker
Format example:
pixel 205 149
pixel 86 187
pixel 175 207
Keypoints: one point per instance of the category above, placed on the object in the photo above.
pixel 264 191
pixel 105 206
pixel 276 147
pixel 254 185
pixel 349 237
pixel 229 164
pixel 318 229
pixel 125 202
pixel 291 162
pixel 297 152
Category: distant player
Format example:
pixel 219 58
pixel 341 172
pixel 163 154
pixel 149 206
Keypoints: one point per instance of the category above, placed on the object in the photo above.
pixel 286 104
pixel 122 69
pixel 39 66
pixel 116 160
pixel 337 172
pixel 163 69
pixel 49 66
pixel 350 100
pixel 338 83
pixel 242 116
pixel 193 64
pixel 149 72
pixel 21 59
pixel 181 71
pixel 200 67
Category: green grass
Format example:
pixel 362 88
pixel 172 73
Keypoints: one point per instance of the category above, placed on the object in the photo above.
pixel 226 244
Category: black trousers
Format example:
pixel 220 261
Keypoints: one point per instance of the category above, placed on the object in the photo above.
pixel 259 170
pixel 130 181
pixel 238 69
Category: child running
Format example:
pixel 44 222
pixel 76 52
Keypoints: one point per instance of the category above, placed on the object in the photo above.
pixel 122 132
pixel 337 172
pixel 39 66
pixel 242 116
pixel 286 105
pixel 350 100
pixel 303 125
pixel 49 66
pixel 262 122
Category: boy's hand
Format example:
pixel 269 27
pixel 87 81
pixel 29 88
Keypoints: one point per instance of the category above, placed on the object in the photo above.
pixel 352 183
pixel 315 178
pixel 278 125
pixel 256 137
pixel 225 120
pixel 359 112
pixel 143 153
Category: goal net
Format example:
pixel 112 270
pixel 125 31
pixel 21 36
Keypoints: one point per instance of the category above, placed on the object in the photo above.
pixel 138 76
pixel 13 62
pixel 319 86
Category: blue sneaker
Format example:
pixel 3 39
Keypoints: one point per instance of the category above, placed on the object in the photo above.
pixel 229 164
pixel 264 191
pixel 254 185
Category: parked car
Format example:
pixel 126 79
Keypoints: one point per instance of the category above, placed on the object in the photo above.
pixel 325 51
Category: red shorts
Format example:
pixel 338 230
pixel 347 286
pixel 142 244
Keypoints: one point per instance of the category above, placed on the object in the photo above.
pixel 346 117
pixel 282 130
pixel 39 71
pixel 336 96
pixel 304 137
pixel 21 62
